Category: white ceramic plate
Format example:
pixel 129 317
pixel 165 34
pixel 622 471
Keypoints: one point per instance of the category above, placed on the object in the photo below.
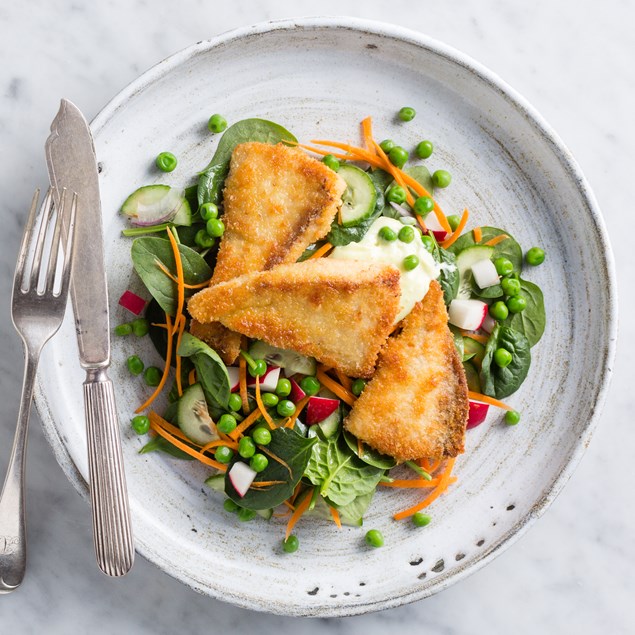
pixel 319 78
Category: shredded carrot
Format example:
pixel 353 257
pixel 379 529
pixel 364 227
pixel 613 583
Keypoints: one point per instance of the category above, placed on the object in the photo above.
pixel 261 405
pixel 289 505
pixel 360 447
pixel 172 277
pixel 344 380
pixel 242 383
pixel 183 446
pixel 173 430
pixel 336 516
pixel 297 513
pixel 457 232
pixel 299 407
pixel 367 131
pixel 395 172
pixel 333 386
pixel 160 326
pixel 213 444
pixel 177 369
pixel 478 234
pixel 337 155
pixel 258 484
pixel 444 481
pixel 411 483
pixel 296 492
pixel 244 424
pixel 430 465
pixel 179 276
pixel 355 152
pixel 492 242
pixel 421 191
pixel 191 378
pixel 476 396
pixel 276 458
pixel 166 369
pixel 323 250
pixel 475 336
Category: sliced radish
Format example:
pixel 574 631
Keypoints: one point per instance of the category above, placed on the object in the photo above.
pixel 296 392
pixel 433 225
pixel 485 274
pixel 234 378
pixel 241 477
pixel 319 408
pixel 488 323
pixel 132 302
pixel 477 414
pixel 467 314
pixel 268 381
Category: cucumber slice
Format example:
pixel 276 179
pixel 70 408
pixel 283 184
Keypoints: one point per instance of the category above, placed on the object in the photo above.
pixel 265 513
pixel 360 197
pixel 291 361
pixel 193 416
pixel 464 261
pixel 216 482
pixel 331 424
pixel 183 216
pixel 473 351
pixel 471 374
pixel 153 204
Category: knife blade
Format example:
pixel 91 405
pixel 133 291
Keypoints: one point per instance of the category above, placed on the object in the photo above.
pixel 72 164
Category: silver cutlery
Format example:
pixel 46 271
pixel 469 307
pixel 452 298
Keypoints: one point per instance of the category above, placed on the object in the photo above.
pixel 38 304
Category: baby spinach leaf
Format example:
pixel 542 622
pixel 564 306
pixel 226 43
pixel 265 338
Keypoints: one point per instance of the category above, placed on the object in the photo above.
pixel 530 322
pixel 368 455
pixel 159 444
pixel 495 291
pixel 501 382
pixel 507 248
pixel 210 369
pixel 293 451
pixel 211 180
pixel 458 341
pixel 351 514
pixel 421 174
pixel 449 277
pixel 338 473
pixel 149 250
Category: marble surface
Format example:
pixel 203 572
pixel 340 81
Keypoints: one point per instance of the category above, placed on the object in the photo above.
pixel 573 571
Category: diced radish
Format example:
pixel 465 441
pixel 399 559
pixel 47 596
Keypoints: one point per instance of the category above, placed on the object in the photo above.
pixel 434 226
pixel 488 323
pixel 319 408
pixel 234 378
pixel 132 302
pixel 485 274
pixel 296 392
pixel 477 414
pixel 268 381
pixel 467 314
pixel 241 477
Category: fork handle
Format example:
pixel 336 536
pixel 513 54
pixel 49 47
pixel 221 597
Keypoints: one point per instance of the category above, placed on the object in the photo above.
pixel 12 512
pixel 112 531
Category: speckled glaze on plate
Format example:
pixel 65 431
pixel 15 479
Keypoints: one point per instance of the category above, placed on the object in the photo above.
pixel 319 77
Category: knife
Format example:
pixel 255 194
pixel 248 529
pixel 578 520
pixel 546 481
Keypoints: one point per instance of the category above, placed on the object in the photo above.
pixel 71 161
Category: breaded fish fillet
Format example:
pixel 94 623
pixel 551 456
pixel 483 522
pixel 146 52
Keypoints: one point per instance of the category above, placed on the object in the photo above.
pixel 416 405
pixel 278 201
pixel 340 312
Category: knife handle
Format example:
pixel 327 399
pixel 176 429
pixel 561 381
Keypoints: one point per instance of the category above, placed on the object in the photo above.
pixel 112 531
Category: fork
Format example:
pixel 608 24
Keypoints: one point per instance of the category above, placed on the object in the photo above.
pixel 37 310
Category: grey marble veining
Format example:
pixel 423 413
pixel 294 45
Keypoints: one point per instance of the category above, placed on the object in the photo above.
pixel 573 572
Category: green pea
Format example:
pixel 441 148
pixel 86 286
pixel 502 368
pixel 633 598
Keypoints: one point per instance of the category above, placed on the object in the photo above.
pixel 410 262
pixel 512 417
pixel 441 178
pixel 166 161
pixel 502 357
pixel 286 408
pixel 215 227
pixel 140 424
pixel 419 519
pixel 406 234
pixel 140 327
pixel 235 402
pixel 428 242
pixel 230 506
pixel 258 369
pixel 258 463
pixel 387 145
pixel 226 424
pixel 387 233
pixel 396 194
pixel 283 388
pixel 203 239
pixel 310 385
pixel 499 310
pixel 398 156
pixel 269 399
pixel 423 206
pixel 358 386
pixel 245 515
pixel 290 544
pixel 223 454
pixel 217 123
pixel 262 436
pixel 535 256
pixel 503 266
pixel 453 221
pixel 424 149
pixel 510 286
pixel 407 113
pixel 208 211
pixel 152 376
pixel 123 329
pixel 135 365
pixel 331 162
pixel 374 538
pixel 246 447
pixel 516 304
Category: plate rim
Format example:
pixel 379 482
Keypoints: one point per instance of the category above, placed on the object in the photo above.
pixel 569 164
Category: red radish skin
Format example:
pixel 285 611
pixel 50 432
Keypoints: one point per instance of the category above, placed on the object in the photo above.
pixel 488 323
pixel 319 408
pixel 433 225
pixel 241 477
pixel 296 392
pixel 132 302
pixel 477 414
pixel 268 381
pixel 234 378
pixel 467 314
